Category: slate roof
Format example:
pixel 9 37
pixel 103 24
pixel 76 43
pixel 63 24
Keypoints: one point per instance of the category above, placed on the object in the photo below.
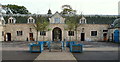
pixel 90 19
pixel 116 23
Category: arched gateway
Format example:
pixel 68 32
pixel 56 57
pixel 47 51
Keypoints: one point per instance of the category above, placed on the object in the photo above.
pixel 57 34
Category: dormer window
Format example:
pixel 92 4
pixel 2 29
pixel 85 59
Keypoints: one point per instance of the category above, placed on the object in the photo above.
pixel 57 20
pixel 82 20
pixel 11 20
pixel 2 21
pixel 31 20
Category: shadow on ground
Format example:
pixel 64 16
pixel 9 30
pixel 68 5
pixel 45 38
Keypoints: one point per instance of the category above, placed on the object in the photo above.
pixel 18 56
pixel 97 56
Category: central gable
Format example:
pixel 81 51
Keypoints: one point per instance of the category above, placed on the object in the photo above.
pixel 57 19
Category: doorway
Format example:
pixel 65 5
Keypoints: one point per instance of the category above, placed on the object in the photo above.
pixel 112 36
pixel 105 36
pixel 82 36
pixel 8 37
pixel 57 34
pixel 116 36
pixel 31 36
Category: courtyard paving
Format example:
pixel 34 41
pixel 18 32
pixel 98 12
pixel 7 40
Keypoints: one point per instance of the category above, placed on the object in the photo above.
pixel 19 51
pixel 56 55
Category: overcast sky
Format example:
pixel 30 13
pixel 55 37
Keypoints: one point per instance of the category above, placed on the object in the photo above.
pixel 101 7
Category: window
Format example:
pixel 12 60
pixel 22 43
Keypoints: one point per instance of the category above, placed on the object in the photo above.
pixel 2 33
pixel 31 20
pixel 43 33
pixel 57 20
pixel 83 21
pixel 19 33
pixel 71 33
pixel 105 30
pixel 93 33
pixel 11 20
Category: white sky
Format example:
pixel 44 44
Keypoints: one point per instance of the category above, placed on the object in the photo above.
pixel 101 7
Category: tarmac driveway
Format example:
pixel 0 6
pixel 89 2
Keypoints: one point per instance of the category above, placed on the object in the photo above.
pixel 18 56
pixel 109 52
pixel 17 52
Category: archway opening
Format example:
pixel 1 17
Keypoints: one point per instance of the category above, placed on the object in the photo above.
pixel 57 34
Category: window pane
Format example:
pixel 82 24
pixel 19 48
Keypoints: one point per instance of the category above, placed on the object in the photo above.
pixel 2 33
pixel 43 33
pixel 19 33
pixel 93 33
pixel 105 30
pixel 70 33
pixel 57 20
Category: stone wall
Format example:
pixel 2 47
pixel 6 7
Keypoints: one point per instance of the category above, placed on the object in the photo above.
pixel 1 30
pixel 92 27
pixel 111 33
pixel 84 28
pixel 25 28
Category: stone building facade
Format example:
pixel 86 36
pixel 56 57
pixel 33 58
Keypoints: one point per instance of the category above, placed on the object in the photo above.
pixel 2 23
pixel 26 32
pixel 114 31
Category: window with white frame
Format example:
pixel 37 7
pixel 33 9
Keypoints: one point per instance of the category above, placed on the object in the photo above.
pixel 82 20
pixel 43 33
pixel 31 20
pixel 70 33
pixel 2 33
pixel 11 20
pixel 57 20
pixel 93 33
pixel 19 33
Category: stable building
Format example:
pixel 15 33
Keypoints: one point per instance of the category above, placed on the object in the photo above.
pixel 2 23
pixel 91 28
pixel 114 31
